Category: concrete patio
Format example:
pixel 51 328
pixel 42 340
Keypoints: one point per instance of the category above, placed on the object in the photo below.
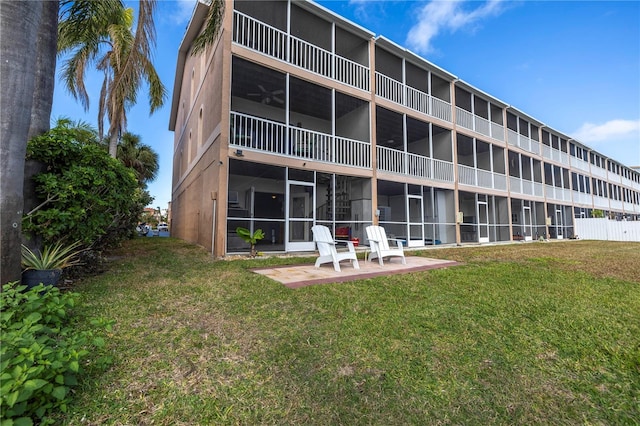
pixel 296 276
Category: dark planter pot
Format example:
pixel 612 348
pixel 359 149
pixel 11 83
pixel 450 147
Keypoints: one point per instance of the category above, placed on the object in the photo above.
pixel 33 277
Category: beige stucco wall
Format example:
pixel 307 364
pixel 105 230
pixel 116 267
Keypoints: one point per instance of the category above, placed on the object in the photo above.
pixel 200 143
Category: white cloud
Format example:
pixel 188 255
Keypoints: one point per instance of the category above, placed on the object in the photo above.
pixel 184 9
pixel 611 130
pixel 370 11
pixel 437 16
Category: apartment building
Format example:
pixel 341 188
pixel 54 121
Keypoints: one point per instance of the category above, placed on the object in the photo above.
pixel 296 116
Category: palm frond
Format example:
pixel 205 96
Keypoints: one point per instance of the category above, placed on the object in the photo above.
pixel 213 24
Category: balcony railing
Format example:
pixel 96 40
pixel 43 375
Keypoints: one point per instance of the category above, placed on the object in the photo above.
pixel 600 202
pixel 582 198
pixel 616 204
pixel 523 186
pixel 556 155
pixel 555 193
pixel 405 163
pixel 596 171
pixel 614 177
pixel 577 163
pixel 631 184
pixel 256 35
pixel 479 124
pixel 257 134
pixel 481 178
pixel 397 92
pixel 524 142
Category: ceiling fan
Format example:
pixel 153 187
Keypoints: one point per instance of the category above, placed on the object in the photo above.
pixel 268 96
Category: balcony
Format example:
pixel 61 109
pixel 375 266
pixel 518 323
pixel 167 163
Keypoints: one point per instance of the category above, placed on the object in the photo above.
pixel 522 186
pixel 582 198
pixel 257 134
pixel 601 203
pixel 556 155
pixel 479 124
pixel 270 41
pixel 402 94
pixel 595 171
pixel 405 163
pixel 616 205
pixel 523 142
pixel 558 194
pixel 577 163
pixel 629 183
pixel 481 178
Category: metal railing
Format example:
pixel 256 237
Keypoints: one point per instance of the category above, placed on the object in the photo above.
pixel 478 124
pixel 577 163
pixel 397 92
pixel 464 118
pixel 561 194
pixel 268 136
pixel 256 35
pixel 601 202
pixel 596 171
pixel 497 131
pixel 582 198
pixel 406 163
pixel 481 178
pixel 524 142
pixel 523 186
pixel 556 155
pixel 616 204
pixel 631 184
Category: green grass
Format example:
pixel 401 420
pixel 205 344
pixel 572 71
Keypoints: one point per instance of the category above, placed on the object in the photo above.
pixel 519 334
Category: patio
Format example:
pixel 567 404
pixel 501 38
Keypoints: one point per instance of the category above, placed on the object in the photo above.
pixel 297 276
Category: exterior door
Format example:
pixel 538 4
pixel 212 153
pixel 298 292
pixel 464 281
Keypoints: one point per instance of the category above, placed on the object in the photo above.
pixel 559 225
pixel 300 216
pixel 483 222
pixel 416 225
pixel 527 223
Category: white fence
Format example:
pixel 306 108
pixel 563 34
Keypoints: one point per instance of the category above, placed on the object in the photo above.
pixel 608 230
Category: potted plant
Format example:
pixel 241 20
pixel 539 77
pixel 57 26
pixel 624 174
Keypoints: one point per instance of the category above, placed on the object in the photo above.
pixel 249 237
pixel 46 266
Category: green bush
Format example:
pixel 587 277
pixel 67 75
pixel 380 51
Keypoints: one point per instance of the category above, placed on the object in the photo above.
pixel 41 353
pixel 83 194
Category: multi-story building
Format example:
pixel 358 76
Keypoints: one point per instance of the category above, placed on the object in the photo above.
pixel 296 116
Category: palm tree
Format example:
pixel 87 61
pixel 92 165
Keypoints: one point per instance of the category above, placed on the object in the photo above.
pixel 121 54
pixel 28 35
pixel 139 157
pixel 19 26
pixel 45 55
pixel 211 29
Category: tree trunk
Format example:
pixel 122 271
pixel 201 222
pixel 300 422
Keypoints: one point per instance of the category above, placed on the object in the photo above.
pixel 46 52
pixel 113 144
pixel 19 24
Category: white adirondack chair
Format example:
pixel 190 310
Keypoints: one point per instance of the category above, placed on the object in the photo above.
pixel 327 248
pixel 380 245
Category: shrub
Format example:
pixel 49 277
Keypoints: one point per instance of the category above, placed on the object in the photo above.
pixel 84 194
pixel 41 354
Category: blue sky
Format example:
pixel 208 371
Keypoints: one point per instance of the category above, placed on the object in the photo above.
pixel 573 65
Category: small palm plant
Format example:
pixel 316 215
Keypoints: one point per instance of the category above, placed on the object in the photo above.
pixel 251 238
pixel 57 256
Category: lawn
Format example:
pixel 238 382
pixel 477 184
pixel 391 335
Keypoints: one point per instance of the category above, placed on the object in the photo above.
pixel 536 333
